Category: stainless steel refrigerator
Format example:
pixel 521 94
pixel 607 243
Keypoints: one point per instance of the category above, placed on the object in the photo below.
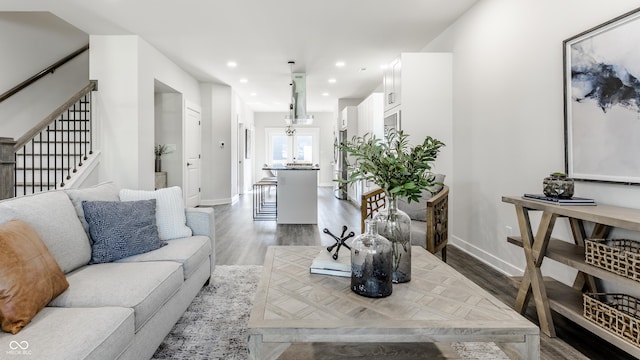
pixel 340 167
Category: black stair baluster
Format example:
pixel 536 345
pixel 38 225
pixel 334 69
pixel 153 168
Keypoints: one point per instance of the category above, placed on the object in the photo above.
pixel 49 159
pixel 68 148
pixel 80 118
pixel 84 121
pixel 90 94
pixel 40 159
pixel 75 158
pixel 15 182
pixel 33 166
pixel 55 154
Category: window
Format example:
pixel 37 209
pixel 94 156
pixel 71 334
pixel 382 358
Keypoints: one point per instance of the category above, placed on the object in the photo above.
pixel 282 149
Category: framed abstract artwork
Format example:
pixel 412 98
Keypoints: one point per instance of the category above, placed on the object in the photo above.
pixel 602 102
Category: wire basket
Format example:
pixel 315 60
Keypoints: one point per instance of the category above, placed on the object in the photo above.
pixel 620 256
pixel 617 313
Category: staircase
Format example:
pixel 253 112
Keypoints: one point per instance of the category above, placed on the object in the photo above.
pixel 48 157
pixel 51 154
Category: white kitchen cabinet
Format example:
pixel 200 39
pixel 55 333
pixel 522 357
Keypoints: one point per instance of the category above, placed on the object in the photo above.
pixel 393 84
pixel 370 115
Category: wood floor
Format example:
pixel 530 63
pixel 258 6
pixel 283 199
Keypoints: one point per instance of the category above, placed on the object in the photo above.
pixel 242 241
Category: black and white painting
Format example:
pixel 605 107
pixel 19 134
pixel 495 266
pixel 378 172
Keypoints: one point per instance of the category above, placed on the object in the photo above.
pixel 602 102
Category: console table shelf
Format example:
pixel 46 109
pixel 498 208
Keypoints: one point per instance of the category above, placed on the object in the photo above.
pixel 573 256
pixel 553 295
pixel 568 302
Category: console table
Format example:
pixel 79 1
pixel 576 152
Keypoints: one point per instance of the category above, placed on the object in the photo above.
pixel 551 294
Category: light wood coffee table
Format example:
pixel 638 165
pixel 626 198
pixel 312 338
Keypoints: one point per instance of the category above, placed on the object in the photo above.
pixel 437 305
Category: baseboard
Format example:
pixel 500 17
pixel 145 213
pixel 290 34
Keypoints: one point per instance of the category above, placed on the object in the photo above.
pixel 215 202
pixel 486 257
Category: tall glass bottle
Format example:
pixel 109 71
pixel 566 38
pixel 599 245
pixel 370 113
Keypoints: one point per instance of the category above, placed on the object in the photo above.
pixel 371 263
pixel 395 225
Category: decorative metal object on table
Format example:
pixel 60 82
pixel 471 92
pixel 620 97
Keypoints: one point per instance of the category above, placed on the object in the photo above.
pixel 557 184
pixel 340 241
pixel 371 263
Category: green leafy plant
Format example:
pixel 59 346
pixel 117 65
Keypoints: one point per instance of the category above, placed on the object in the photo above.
pixel 161 150
pixel 391 163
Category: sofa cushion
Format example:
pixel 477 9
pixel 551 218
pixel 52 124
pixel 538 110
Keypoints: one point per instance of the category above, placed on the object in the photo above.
pixel 142 286
pixel 171 220
pixel 121 229
pixel 52 216
pixel 417 210
pixel 29 275
pixel 72 333
pixel 107 191
pixel 190 252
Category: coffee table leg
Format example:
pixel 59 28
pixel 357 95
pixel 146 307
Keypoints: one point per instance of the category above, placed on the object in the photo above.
pixel 527 350
pixel 255 347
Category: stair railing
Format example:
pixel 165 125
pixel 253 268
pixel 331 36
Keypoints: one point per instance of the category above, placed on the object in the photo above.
pixel 48 70
pixel 48 154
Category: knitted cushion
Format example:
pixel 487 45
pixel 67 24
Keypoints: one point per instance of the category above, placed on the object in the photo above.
pixel 121 229
pixel 170 216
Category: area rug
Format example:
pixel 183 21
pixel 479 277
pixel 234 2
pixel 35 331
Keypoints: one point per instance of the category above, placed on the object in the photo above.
pixel 214 327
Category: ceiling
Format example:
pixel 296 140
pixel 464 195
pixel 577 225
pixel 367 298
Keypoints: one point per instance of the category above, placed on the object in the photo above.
pixel 260 36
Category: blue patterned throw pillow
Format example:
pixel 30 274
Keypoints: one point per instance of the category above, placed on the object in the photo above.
pixel 121 229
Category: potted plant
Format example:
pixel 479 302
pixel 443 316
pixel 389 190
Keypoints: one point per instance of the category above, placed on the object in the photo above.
pixel 161 150
pixel 557 184
pixel 400 170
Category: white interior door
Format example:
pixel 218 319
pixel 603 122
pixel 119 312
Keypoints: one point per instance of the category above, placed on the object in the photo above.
pixel 192 154
pixel 241 157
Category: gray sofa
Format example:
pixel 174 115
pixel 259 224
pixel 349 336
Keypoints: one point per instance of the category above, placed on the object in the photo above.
pixel 116 310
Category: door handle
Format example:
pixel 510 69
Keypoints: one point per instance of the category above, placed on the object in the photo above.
pixel 189 164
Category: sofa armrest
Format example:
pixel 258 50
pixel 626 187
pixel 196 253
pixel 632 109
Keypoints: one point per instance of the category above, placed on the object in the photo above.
pixel 201 221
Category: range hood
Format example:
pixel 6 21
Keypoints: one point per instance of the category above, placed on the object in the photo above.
pixel 298 106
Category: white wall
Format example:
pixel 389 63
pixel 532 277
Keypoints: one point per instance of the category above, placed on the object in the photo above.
pixel 126 68
pixel 426 104
pixel 508 117
pixel 324 121
pixel 31 41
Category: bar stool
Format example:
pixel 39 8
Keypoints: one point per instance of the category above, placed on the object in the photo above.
pixel 265 205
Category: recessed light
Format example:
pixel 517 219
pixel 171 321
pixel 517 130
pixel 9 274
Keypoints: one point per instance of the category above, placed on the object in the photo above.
pixel 340 64
pixel 232 64
pixel 325 94
pixel 253 94
pixel 244 81
pixel 332 81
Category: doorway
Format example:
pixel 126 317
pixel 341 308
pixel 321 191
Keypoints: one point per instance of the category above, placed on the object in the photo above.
pixel 193 145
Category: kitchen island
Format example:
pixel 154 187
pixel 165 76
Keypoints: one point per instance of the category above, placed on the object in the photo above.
pixel 297 193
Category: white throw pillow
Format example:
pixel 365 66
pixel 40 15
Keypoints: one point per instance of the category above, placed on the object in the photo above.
pixel 170 217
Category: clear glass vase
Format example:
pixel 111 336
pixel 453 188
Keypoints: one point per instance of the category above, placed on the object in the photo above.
pixel 395 226
pixel 371 263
